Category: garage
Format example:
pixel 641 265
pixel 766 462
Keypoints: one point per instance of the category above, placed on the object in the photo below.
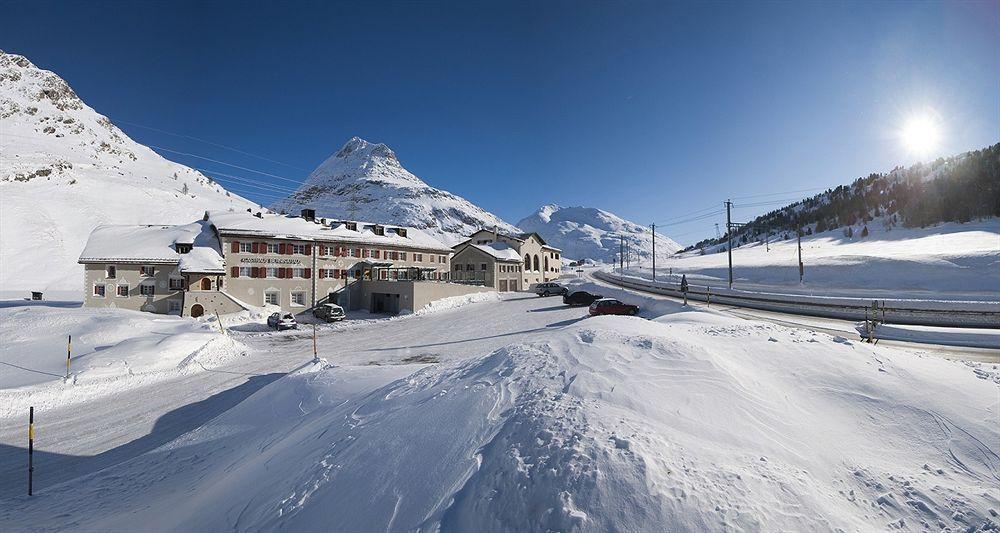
pixel 503 286
pixel 385 303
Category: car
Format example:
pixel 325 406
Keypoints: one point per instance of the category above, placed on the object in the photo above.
pixel 282 321
pixel 610 306
pixel 580 298
pixel 329 312
pixel 550 289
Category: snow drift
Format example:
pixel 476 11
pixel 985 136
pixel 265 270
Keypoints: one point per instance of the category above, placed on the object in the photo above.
pixel 695 422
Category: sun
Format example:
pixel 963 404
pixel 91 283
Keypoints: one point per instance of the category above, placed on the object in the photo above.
pixel 921 134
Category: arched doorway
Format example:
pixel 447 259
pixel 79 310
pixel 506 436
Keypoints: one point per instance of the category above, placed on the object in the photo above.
pixel 197 310
pixel 206 284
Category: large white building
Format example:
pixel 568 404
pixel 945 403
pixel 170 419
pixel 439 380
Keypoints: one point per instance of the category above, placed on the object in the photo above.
pixel 233 260
pixel 489 256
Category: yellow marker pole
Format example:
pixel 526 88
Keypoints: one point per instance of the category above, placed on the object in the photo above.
pixel 31 446
pixel 69 352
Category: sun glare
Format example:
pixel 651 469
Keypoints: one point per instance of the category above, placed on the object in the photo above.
pixel 921 135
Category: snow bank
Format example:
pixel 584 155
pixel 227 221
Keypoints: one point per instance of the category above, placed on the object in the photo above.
pixel 111 349
pixel 454 302
pixel 972 337
pixel 696 420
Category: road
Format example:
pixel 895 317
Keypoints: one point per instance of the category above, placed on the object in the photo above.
pixel 831 326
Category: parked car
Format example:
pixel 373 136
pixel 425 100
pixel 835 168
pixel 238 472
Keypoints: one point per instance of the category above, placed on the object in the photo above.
pixel 550 289
pixel 329 312
pixel 580 298
pixel 282 321
pixel 610 306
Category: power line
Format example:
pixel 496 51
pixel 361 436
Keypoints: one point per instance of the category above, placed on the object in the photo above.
pixel 211 143
pixel 779 193
pixel 297 182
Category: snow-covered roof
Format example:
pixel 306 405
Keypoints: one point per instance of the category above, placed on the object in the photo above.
pixel 499 250
pixel 289 227
pixel 155 244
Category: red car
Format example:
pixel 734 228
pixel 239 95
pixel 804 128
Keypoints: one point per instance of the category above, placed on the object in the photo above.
pixel 610 306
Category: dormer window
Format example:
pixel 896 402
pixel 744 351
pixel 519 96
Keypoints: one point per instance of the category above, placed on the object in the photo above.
pixel 353 226
pixel 401 232
pixel 379 230
pixel 182 248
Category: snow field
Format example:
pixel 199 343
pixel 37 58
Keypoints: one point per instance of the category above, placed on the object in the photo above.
pixel 693 419
pixel 112 349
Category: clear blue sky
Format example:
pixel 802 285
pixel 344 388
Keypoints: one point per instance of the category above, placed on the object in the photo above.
pixel 651 110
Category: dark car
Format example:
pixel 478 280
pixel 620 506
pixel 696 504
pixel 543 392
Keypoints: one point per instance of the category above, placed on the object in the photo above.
pixel 329 312
pixel 610 306
pixel 282 321
pixel 580 298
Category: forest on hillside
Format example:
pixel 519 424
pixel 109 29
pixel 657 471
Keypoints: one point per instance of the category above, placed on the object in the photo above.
pixel 956 189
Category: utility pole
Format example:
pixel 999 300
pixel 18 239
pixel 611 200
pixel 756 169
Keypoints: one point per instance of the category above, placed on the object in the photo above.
pixel 621 254
pixel 799 232
pixel 729 237
pixel 653 229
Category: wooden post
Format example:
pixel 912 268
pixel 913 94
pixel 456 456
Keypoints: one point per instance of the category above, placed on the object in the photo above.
pixel 315 352
pixel 219 318
pixel 31 447
pixel 69 352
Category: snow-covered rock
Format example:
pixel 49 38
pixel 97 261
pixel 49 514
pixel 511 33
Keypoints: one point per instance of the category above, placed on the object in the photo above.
pixel 65 169
pixel 591 233
pixel 365 181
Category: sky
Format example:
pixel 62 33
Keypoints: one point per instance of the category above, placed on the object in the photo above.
pixel 656 111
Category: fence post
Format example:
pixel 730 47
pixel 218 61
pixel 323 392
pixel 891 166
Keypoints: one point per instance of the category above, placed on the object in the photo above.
pixel 31 447
pixel 69 352
pixel 709 289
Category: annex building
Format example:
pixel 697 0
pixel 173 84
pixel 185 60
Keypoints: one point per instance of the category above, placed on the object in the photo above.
pixel 505 262
pixel 234 260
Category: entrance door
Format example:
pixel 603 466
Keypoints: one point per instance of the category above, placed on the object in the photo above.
pixel 503 286
pixel 197 310
pixel 206 284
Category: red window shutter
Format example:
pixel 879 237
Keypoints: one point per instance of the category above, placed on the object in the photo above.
pixel 309 249
pixel 262 247
pixel 236 247
pixel 289 249
pixel 375 254
pixel 253 272
pixel 253 247
pixel 236 272
pixel 308 273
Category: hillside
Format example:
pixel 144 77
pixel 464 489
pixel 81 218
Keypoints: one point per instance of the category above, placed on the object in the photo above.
pixel 65 169
pixel 961 188
pixel 591 233
pixel 365 181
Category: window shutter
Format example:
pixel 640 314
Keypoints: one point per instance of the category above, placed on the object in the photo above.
pixel 308 273
pixel 236 247
pixel 289 249
pixel 309 249
pixel 235 271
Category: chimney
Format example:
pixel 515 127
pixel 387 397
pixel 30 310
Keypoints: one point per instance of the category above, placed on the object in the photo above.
pixel 258 215
pixel 309 214
pixel 205 218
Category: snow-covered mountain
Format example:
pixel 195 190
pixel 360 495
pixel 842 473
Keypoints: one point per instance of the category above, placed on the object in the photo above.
pixel 591 233
pixel 65 169
pixel 365 181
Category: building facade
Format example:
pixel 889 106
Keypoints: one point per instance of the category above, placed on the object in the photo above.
pixel 540 262
pixel 235 260
pixel 495 265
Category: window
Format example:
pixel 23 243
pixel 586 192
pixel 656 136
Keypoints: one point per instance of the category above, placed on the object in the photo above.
pixel 376 253
pixel 272 272
pixel 535 263
pixel 174 306
pixel 299 272
pixel 355 252
pixel 245 272
pixel 147 289
pixel 419 258
pixel 272 248
pixel 527 262
pixel 298 298
pixel 441 259
pixel 299 249
pixel 458 267
pixel 402 256
pixel 246 247
pixel 111 272
pixel 206 284
pixel 482 266
pixel 379 230
pixel 470 267
pixel 122 291
pixel 176 284
pixel 353 226
pixel 271 297
pixel 182 248
pixel 147 271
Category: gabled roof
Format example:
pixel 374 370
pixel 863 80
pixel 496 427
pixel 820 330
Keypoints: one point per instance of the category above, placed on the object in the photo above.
pixel 155 244
pixel 497 250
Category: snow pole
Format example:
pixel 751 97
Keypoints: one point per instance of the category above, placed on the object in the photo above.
pixel 31 446
pixel 69 352
pixel 708 291
pixel 219 318
pixel 315 352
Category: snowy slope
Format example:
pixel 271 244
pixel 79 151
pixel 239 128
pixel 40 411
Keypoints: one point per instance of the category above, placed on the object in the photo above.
pixel 946 261
pixel 65 169
pixel 365 181
pixel 694 420
pixel 591 233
